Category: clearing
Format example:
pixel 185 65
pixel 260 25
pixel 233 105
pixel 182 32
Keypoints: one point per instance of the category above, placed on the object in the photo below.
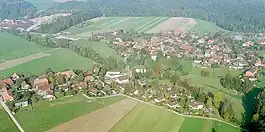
pixel 177 24
pixel 7 124
pixel 60 59
pixel 204 27
pixel 101 120
pixel 13 47
pixel 49 114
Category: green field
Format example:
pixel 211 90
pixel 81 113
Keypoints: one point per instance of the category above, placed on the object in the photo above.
pixel 139 24
pixel 48 114
pixel 60 59
pixel 101 47
pixel 147 118
pixel 6 123
pixel 204 27
pixel 13 47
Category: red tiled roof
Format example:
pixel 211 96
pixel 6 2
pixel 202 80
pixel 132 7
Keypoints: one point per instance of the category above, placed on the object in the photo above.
pixel 7 81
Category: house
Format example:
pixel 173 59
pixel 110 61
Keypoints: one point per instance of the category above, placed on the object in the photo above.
pixel 248 44
pixel 46 91
pixel 69 74
pixel 15 76
pixel 262 42
pixel 7 95
pixel 80 85
pixel 89 78
pixel 113 75
pixel 201 41
pixel 160 99
pixel 154 55
pixel 142 82
pixel 249 74
pixel 140 69
pixel 7 82
pixel 185 47
pixel 40 81
pixel 173 104
pixel 136 92
pixel 238 37
pixel 93 91
pixel 196 105
pixel 123 79
pixel 22 103
pixel 210 41
pixel 25 86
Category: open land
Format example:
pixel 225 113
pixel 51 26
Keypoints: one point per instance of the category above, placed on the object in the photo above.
pixel 13 47
pixel 48 114
pixel 6 123
pixel 145 117
pixel 204 27
pixel 101 120
pixel 60 59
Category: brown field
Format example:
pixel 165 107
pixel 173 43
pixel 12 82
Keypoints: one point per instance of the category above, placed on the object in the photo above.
pixel 101 120
pixel 178 24
pixel 12 63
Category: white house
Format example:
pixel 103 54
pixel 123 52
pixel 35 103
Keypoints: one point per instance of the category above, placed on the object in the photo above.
pixel 153 55
pixel 22 103
pixel 140 69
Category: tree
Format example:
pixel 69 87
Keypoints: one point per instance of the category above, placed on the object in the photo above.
pixel 217 99
pixel 175 78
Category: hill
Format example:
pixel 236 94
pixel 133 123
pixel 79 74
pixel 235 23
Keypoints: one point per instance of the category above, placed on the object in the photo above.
pixel 11 9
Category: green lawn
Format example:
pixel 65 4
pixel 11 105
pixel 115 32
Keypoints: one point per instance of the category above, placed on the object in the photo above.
pixel 13 47
pixel 101 47
pixel 60 59
pixel 146 118
pixel 6 123
pixel 204 27
pixel 48 114
pixel 202 125
pixel 139 24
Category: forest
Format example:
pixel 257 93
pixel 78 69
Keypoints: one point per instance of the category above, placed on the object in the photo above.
pixel 10 9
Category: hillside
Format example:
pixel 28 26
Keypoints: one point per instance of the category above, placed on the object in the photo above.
pixel 15 8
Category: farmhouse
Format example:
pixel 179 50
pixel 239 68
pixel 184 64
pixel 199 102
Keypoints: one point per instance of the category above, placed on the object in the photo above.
pixel 173 104
pixel 7 95
pixel 140 69
pixel 196 105
pixel 68 74
pixel 40 81
pixel 45 91
pixel 22 103
pixel 122 79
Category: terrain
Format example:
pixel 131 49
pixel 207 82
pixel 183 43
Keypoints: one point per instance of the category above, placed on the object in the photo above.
pixel 6 123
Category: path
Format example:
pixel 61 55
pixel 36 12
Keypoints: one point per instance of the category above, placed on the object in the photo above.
pixel 188 116
pixel 11 115
pixel 15 62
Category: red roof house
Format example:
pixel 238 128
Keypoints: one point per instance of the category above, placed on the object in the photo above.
pixel 7 95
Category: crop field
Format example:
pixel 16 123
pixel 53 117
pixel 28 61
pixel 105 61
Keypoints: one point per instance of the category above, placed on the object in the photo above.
pixel 60 59
pixel 6 123
pixel 101 47
pixel 101 120
pixel 48 114
pixel 204 27
pixel 145 117
pixel 13 47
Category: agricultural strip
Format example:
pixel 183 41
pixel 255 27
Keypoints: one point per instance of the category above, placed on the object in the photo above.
pixel 174 23
pixel 147 118
pixel 101 120
pixel 12 63
pixel 151 25
pixel 118 22
pixel 6 123
pixel 46 115
pixel 146 24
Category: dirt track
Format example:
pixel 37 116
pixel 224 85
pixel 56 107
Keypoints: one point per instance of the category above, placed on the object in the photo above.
pixel 178 24
pixel 12 63
pixel 101 120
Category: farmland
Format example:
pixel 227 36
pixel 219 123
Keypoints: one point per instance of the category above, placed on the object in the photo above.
pixel 48 114
pixel 145 117
pixel 60 59
pixel 142 24
pixel 13 47
pixel 6 123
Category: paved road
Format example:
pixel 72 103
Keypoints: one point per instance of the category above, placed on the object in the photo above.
pixel 11 115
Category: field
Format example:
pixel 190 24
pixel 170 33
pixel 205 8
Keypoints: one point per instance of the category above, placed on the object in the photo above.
pixel 204 27
pixel 101 120
pixel 145 117
pixel 60 59
pixel 101 47
pixel 48 114
pixel 13 47
pixel 6 123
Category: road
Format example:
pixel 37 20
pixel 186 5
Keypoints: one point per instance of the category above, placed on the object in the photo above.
pixel 188 116
pixel 11 115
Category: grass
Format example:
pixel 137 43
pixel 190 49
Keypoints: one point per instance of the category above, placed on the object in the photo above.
pixel 217 72
pixel 6 123
pixel 202 125
pixel 139 24
pixel 204 27
pixel 101 47
pixel 60 59
pixel 48 114
pixel 13 47
pixel 146 118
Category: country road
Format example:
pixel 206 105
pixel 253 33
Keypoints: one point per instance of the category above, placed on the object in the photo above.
pixel 11 115
pixel 188 116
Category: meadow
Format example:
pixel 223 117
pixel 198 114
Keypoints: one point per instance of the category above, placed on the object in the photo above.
pixel 13 47
pixel 6 123
pixel 60 59
pixel 145 117
pixel 48 114
pixel 204 27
